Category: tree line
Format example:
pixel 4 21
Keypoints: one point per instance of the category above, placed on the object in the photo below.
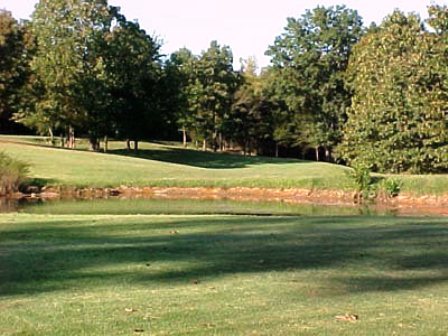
pixel 335 90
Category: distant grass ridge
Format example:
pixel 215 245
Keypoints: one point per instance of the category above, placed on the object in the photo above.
pixel 168 165
pixel 165 166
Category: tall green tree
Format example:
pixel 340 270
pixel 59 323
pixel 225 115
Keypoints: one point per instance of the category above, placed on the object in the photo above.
pixel 310 59
pixel 179 75
pixel 69 66
pixel 398 119
pixel 210 93
pixel 134 72
pixel 13 65
pixel 250 122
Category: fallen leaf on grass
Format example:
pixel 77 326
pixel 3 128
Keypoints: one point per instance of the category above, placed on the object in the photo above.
pixel 209 325
pixel 139 330
pixel 130 310
pixel 347 317
pixel 174 232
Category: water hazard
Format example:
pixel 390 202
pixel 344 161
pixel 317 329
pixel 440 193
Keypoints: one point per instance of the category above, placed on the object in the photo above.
pixel 184 207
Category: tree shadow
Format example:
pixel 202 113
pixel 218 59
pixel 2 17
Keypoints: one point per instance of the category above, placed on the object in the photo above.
pixel 46 257
pixel 201 159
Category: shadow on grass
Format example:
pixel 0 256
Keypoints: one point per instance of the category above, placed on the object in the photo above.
pixel 37 182
pixel 39 257
pixel 201 159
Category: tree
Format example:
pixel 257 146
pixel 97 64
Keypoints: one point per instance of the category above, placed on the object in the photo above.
pixel 133 71
pixel 13 65
pixel 210 93
pixel 398 118
pixel 179 74
pixel 250 121
pixel 68 66
pixel 310 59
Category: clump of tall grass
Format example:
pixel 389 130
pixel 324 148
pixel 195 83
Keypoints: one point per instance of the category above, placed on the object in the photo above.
pixel 12 174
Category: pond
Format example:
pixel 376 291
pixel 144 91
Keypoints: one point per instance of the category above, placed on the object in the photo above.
pixel 191 207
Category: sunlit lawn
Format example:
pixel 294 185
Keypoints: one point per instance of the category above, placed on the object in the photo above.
pixel 161 165
pixel 222 275
pixel 172 165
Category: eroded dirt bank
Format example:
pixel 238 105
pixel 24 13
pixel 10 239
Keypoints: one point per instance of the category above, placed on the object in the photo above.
pixel 408 204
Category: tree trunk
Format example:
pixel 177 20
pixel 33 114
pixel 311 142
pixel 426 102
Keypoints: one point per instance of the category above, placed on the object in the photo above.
pixel 136 146
pixel 62 140
pixel 184 137
pixel 94 144
pixel 50 131
pixel 204 145
pixel 71 138
pixel 106 144
pixel 327 154
pixel 215 141
pixel 128 145
pixel 317 154
pixel 276 150
pixel 220 142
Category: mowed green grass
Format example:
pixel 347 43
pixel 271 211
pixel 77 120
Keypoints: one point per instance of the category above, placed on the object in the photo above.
pixel 222 275
pixel 161 165
pixel 171 165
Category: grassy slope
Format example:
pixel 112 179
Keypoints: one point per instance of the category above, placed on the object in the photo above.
pixel 161 165
pixel 222 275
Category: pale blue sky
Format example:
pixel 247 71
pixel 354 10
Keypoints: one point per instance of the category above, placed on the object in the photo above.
pixel 247 26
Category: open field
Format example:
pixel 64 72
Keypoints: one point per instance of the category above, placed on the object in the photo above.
pixel 171 165
pixel 222 275
pixel 161 165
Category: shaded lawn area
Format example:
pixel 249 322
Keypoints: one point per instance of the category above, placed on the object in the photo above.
pixel 195 158
pixel 223 275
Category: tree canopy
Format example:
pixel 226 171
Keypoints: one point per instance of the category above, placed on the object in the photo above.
pixel 398 118
pixel 335 90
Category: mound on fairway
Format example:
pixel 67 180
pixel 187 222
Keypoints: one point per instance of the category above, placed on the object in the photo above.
pixel 160 165
pixel 173 166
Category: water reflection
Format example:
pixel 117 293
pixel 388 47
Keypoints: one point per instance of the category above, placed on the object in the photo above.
pixel 183 207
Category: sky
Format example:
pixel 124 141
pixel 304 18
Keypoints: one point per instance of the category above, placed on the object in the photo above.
pixel 247 26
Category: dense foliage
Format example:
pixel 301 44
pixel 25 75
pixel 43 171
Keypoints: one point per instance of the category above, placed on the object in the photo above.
pixel 12 174
pixel 13 65
pixel 398 118
pixel 310 59
pixel 374 98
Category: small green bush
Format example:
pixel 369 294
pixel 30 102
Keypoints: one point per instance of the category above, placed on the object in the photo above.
pixel 363 181
pixel 12 174
pixel 391 187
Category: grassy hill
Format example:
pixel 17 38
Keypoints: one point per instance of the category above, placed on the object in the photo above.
pixel 165 165
pixel 171 165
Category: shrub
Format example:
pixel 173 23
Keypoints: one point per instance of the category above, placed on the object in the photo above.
pixel 12 174
pixel 392 187
pixel 363 183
